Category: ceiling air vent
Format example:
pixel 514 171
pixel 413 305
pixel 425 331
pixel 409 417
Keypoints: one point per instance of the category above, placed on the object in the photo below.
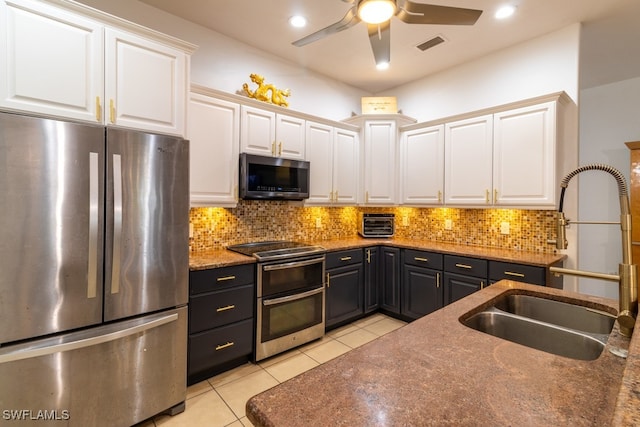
pixel 430 43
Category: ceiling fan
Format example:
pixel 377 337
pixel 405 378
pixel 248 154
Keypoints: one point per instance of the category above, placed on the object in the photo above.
pixel 377 14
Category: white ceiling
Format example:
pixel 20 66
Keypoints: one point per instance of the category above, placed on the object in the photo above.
pixel 609 51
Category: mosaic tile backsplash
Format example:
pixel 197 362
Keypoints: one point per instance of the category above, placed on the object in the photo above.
pixel 254 220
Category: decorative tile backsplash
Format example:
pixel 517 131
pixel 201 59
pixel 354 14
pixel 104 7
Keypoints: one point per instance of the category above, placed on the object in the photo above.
pixel 254 220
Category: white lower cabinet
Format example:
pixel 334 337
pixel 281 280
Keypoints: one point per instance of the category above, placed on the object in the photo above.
pixel 422 166
pixel 213 130
pixel 333 156
pixel 63 63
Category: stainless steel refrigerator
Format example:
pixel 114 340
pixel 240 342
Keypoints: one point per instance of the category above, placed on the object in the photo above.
pixel 93 273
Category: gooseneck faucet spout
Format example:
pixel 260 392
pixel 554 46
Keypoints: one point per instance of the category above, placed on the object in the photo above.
pixel 627 271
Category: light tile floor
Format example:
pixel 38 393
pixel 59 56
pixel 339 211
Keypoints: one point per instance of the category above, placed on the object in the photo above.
pixel 220 400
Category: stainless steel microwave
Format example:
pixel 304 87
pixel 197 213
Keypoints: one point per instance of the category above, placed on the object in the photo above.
pixel 273 178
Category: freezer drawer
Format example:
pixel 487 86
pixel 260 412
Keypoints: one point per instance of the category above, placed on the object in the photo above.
pixel 112 375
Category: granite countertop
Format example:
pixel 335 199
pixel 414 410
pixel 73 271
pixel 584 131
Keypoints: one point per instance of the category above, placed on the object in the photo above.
pixel 222 257
pixel 436 371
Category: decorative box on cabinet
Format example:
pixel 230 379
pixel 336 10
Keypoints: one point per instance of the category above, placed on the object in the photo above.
pixel 72 61
pixel 213 129
pixel 344 290
pixel 463 276
pixel 422 290
pixel 221 322
pixel 267 133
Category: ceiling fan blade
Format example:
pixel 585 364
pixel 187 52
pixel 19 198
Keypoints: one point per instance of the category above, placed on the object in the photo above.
pixel 348 21
pixel 380 39
pixel 420 13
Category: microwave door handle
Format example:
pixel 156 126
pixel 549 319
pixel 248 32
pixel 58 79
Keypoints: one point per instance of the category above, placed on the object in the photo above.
pixel 290 298
pixel 292 264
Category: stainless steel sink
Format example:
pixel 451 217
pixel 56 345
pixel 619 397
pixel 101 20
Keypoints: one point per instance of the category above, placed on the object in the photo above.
pixel 556 327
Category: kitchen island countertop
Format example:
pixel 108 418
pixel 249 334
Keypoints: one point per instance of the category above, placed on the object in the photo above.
pixel 436 371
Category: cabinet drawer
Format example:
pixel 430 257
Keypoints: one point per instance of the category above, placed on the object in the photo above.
pixel 336 259
pixel 518 272
pixel 220 278
pixel 464 265
pixel 220 345
pixel 423 259
pixel 214 309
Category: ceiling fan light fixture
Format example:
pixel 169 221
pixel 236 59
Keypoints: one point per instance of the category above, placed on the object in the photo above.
pixel 376 11
pixel 383 65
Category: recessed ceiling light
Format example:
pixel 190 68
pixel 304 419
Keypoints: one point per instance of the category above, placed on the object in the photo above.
pixel 382 65
pixel 505 11
pixel 298 21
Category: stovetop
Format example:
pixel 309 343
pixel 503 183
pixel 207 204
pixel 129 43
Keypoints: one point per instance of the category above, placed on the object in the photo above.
pixel 267 251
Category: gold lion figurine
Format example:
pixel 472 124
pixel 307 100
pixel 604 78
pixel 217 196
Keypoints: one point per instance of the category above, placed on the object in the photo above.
pixel 278 96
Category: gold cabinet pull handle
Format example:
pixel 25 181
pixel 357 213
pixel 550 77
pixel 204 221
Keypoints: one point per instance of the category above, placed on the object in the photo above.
pixel 273 148
pixel 463 266
pixel 112 111
pixel 98 109
pixel 495 196
pixel 511 273
pixel 223 346
pixel 222 279
pixel 366 197
pixel 486 196
pixel 439 196
pixel 437 280
pixel 345 258
pixel 482 284
pixel 336 199
pixel 368 256
pixel 228 307
pixel 280 149
pixel 328 281
pixel 421 259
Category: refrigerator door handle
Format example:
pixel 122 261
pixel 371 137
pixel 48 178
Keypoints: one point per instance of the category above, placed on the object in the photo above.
pixel 86 342
pixel 94 205
pixel 117 223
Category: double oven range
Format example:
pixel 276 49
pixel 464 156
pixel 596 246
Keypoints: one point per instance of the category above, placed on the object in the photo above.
pixel 290 294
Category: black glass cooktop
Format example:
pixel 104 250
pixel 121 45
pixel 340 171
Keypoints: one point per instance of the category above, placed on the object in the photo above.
pixel 265 251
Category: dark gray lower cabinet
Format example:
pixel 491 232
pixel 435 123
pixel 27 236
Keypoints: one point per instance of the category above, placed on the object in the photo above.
pixel 371 279
pixel 422 290
pixel 221 322
pixel 390 280
pixel 344 287
pixel 463 276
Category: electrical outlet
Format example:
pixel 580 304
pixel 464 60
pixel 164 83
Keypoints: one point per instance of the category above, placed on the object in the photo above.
pixel 318 222
pixel 190 231
pixel 448 224
pixel 504 227
pixel 405 220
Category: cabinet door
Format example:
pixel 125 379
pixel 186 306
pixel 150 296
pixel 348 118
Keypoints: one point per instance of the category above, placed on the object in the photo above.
pixel 145 85
pixel 390 276
pixel 345 167
pixel 380 162
pixel 457 286
pixel 290 137
pixel 422 159
pixel 468 156
pixel 344 294
pixel 214 133
pixel 371 279
pixel 421 291
pixel 52 61
pixel 257 131
pixel 524 142
pixel 319 151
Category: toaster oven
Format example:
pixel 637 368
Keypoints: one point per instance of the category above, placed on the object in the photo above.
pixel 376 225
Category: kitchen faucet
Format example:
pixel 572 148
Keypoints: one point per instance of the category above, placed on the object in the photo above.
pixel 627 272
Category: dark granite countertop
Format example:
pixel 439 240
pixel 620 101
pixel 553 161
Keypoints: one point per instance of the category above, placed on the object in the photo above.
pixel 436 371
pixel 223 257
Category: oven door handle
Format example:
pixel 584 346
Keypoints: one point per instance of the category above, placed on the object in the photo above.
pixel 292 264
pixel 290 298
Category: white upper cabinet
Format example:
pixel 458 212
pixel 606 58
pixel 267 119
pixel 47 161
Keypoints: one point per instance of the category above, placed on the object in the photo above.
pixel 422 166
pixel 65 63
pixel 333 154
pixel 524 154
pixel 267 133
pixel 468 157
pixel 213 129
pixel 52 61
pixel 380 159
pixel 146 83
